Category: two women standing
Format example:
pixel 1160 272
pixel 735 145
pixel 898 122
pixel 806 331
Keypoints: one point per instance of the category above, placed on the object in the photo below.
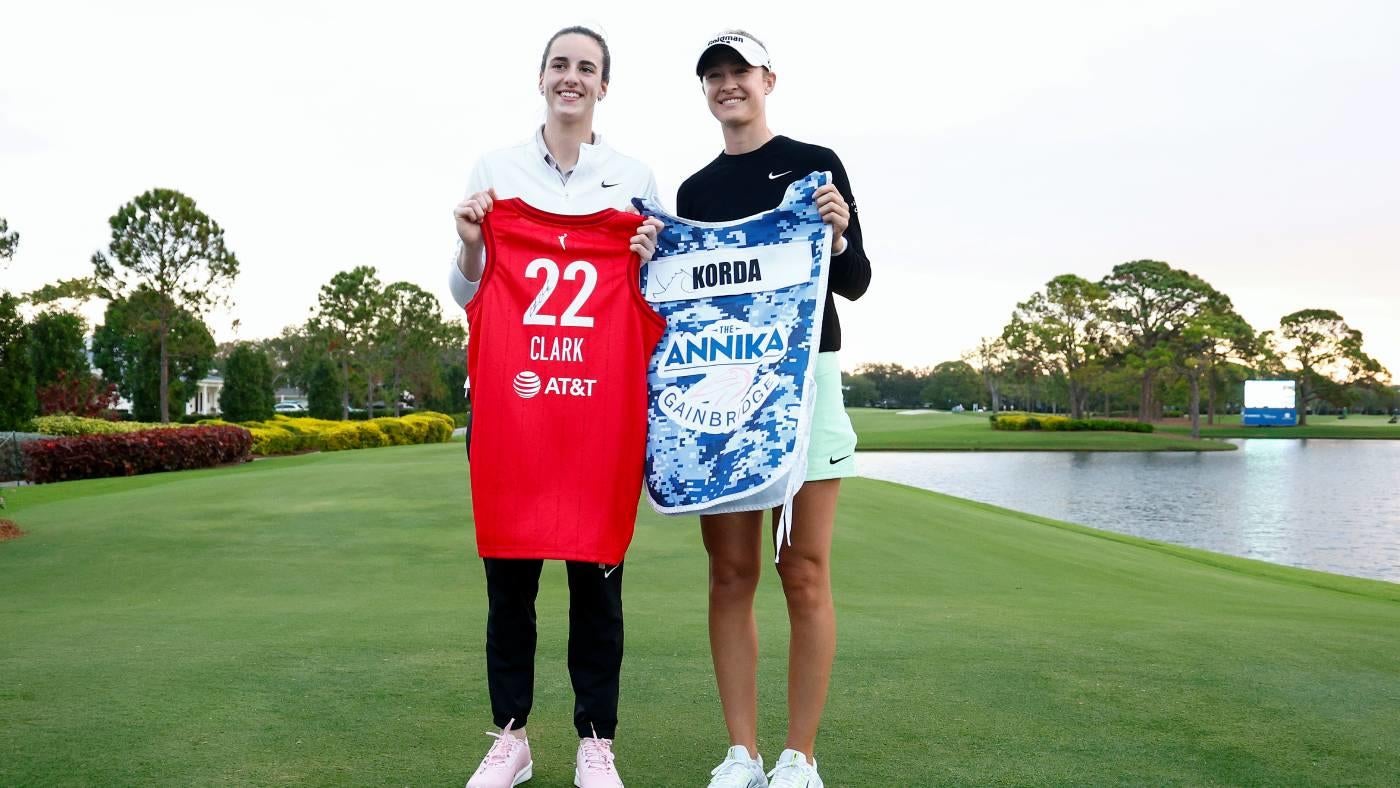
pixel 566 169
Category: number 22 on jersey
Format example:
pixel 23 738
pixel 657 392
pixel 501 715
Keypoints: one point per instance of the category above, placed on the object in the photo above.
pixel 534 316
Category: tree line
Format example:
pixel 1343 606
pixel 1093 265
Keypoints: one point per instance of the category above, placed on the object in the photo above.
pixel 1147 339
pixel 365 344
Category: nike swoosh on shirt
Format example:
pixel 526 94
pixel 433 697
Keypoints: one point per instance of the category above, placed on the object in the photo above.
pixel 773 177
pixel 607 185
pixel 839 459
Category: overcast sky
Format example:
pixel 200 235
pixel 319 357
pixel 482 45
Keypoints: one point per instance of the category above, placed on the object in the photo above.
pixel 991 146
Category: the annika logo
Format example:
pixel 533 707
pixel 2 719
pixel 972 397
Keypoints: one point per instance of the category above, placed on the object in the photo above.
pixel 723 343
pixel 728 353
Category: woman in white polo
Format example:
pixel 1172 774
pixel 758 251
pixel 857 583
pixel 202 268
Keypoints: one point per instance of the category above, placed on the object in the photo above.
pixel 563 168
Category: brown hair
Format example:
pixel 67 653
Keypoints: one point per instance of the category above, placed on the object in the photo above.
pixel 582 31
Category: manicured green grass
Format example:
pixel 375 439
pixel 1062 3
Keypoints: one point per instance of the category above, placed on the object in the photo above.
pixel 888 430
pixel 1352 427
pixel 319 620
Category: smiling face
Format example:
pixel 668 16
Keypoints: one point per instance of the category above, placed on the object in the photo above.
pixel 735 91
pixel 572 79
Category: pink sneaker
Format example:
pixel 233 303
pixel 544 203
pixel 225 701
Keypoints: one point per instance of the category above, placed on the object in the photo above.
pixel 593 766
pixel 506 764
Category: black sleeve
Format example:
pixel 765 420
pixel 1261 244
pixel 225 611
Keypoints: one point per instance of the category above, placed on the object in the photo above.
pixel 850 270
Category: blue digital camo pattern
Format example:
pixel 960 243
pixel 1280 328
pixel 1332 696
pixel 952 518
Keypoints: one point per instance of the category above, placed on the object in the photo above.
pixel 688 470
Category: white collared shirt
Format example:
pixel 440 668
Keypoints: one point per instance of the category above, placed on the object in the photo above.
pixel 549 157
pixel 601 178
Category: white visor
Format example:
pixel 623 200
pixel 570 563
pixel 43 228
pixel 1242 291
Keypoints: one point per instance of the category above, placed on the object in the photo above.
pixel 750 50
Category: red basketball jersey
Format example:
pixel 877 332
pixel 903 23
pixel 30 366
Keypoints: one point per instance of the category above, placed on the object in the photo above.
pixel 560 341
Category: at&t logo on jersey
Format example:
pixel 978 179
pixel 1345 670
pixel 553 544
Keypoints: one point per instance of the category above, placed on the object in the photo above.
pixel 528 385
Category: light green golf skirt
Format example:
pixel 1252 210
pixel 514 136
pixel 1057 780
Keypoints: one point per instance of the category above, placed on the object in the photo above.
pixel 831 447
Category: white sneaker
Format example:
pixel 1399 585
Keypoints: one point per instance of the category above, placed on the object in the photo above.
pixel 593 764
pixel 506 764
pixel 739 770
pixel 793 771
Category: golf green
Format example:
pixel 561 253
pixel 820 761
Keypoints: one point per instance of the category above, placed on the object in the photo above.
pixel 319 620
pixel 927 430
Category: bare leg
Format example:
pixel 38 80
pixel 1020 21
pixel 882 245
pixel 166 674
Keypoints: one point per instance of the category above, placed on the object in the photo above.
pixel 734 543
pixel 805 568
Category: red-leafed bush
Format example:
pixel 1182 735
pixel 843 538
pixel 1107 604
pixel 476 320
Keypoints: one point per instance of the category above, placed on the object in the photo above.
pixel 147 451
pixel 78 395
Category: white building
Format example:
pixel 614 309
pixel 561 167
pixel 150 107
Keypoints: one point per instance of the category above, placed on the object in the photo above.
pixel 205 401
pixel 206 395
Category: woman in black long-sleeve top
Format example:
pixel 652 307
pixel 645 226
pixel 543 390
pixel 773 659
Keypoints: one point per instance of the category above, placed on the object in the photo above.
pixel 750 177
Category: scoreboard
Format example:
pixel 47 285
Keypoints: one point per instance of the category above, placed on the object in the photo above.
pixel 1270 403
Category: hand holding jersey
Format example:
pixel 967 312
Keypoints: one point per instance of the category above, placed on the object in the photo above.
pixel 832 209
pixel 469 214
pixel 643 244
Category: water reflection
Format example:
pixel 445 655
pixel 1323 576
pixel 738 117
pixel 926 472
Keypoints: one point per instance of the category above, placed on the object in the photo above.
pixel 1323 504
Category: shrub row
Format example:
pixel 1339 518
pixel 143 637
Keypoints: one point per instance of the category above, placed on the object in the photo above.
pixel 282 435
pixel 68 426
pixel 131 453
pixel 1017 422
